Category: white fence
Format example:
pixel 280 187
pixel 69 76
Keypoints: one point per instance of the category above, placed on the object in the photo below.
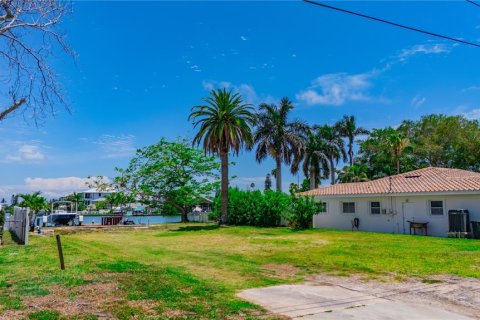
pixel 18 225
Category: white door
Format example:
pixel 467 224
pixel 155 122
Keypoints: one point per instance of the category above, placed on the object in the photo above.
pixel 408 215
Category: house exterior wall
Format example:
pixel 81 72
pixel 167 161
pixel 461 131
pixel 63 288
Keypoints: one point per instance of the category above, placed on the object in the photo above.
pixel 397 210
pixel 89 197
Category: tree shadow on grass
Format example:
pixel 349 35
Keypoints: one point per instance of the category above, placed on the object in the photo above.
pixel 197 228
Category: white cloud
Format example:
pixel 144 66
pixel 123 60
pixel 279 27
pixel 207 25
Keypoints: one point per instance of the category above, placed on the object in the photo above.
pixel 338 88
pixel 473 114
pixel 49 187
pixel 116 146
pixel 471 88
pixel 417 101
pixel 243 38
pixel 27 152
pixel 434 48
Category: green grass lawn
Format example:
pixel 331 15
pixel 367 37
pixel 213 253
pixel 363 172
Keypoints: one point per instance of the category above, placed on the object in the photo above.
pixel 193 271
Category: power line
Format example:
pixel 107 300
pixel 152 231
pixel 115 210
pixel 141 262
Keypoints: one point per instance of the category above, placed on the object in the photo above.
pixel 473 2
pixel 393 23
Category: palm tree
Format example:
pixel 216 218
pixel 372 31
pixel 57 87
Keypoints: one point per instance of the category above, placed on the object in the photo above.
pixel 333 146
pixel 225 124
pixel 347 127
pixel 397 144
pixel 76 198
pixel 35 202
pixel 355 173
pixel 278 137
pixel 314 160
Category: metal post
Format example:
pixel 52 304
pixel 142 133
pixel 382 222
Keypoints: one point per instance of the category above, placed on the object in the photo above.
pixel 60 252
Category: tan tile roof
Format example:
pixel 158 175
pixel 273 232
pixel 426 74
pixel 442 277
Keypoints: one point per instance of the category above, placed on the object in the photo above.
pixel 418 181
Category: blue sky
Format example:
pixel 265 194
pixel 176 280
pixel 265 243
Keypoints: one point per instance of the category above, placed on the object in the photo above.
pixel 141 66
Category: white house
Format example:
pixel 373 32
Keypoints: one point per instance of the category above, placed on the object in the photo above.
pixel 93 195
pixel 390 204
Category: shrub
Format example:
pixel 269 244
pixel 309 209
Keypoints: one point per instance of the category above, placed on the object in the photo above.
pixel 253 208
pixel 302 210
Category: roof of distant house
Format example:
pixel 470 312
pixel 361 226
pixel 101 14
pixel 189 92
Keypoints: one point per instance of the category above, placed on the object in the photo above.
pixel 426 180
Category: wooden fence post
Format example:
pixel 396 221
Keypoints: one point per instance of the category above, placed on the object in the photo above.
pixel 60 252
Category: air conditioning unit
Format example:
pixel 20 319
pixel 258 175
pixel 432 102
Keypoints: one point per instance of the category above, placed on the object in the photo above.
pixel 384 211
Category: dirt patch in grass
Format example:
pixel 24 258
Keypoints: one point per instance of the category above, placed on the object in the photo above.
pixel 93 299
pixel 282 271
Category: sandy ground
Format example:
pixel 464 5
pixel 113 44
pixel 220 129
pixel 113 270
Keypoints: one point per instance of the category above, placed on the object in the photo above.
pixel 333 297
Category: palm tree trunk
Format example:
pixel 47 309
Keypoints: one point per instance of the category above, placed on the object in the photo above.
pixel 312 178
pixel 278 160
pixel 398 164
pixel 224 187
pixel 332 170
pixel 350 152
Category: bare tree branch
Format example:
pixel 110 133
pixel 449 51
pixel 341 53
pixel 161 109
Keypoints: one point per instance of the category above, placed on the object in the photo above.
pixel 29 33
pixel 11 108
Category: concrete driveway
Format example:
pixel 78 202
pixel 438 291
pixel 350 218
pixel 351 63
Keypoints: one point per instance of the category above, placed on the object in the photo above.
pixel 319 300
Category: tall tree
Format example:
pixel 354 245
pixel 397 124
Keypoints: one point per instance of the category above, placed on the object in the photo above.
pixel 278 137
pixel 29 34
pixel 314 160
pixel 333 146
pixel 347 127
pixel 397 143
pixel 168 172
pixel 355 173
pixel 224 125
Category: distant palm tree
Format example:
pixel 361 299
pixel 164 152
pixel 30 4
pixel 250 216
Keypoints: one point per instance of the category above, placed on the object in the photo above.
pixel 347 127
pixel 314 160
pixel 35 202
pixel 76 198
pixel 397 144
pixel 225 124
pixel 278 137
pixel 355 173
pixel 333 146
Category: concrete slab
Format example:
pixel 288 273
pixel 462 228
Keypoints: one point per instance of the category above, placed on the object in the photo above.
pixel 311 301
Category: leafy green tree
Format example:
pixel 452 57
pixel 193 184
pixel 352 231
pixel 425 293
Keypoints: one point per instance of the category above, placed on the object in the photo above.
pixel 333 147
pixel 377 154
pixel 170 172
pixel 347 128
pixel 444 141
pixel 355 173
pixel 224 125
pixel 278 137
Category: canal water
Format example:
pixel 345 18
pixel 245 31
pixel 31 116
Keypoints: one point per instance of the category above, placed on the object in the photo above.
pixel 146 220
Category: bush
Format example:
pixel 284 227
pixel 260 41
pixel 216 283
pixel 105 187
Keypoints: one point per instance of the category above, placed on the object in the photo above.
pixel 302 210
pixel 253 208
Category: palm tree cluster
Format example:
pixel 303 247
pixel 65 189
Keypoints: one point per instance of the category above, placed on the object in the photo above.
pixel 226 124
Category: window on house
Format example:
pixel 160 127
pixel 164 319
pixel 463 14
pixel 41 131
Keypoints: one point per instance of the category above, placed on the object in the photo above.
pixel 375 207
pixel 87 195
pixel 99 195
pixel 436 207
pixel 348 207
pixel 322 207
